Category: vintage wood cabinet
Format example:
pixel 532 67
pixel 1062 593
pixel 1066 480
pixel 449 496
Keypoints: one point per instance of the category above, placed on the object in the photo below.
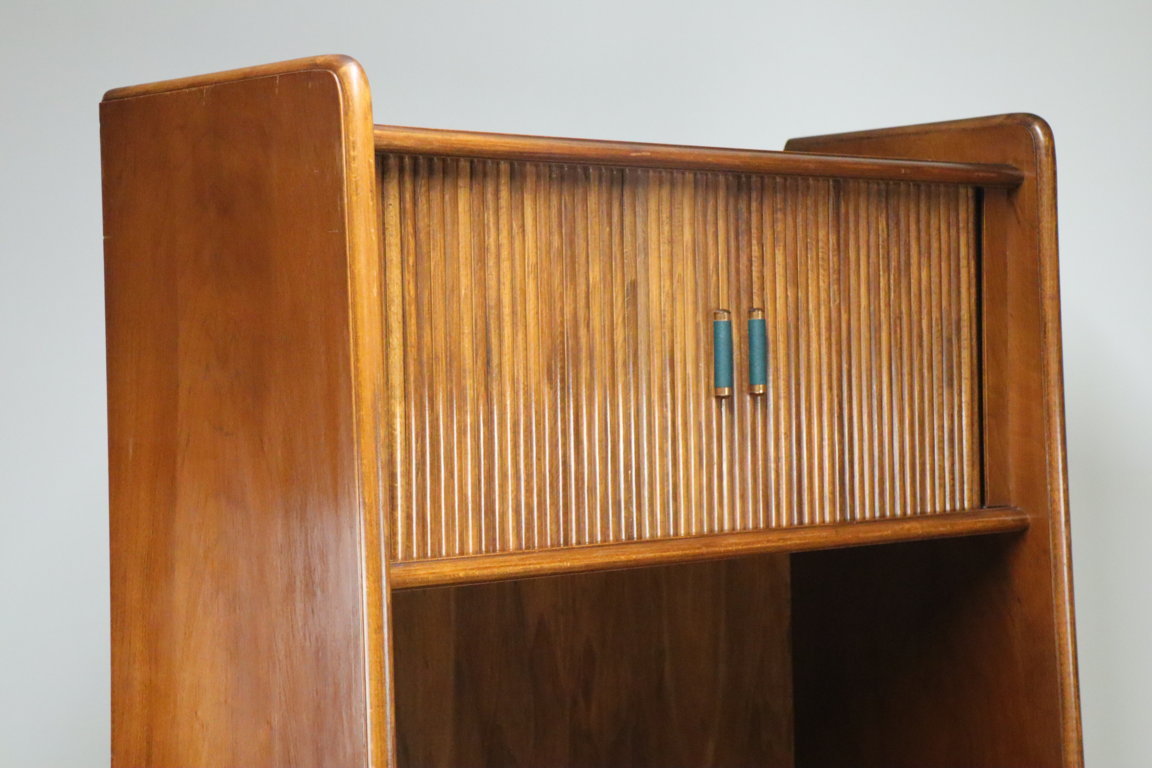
pixel 433 448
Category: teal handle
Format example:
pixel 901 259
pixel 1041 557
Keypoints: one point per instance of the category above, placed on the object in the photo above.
pixel 722 352
pixel 757 353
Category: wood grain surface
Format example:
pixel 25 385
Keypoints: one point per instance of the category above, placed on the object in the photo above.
pixel 1010 660
pixel 353 364
pixel 677 667
pixel 391 139
pixel 469 569
pixel 550 328
pixel 248 597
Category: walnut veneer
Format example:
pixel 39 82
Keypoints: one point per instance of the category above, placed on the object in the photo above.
pixel 417 457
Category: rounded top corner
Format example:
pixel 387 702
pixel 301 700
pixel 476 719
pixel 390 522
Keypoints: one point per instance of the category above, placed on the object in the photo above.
pixel 1040 128
pixel 350 74
pixel 345 69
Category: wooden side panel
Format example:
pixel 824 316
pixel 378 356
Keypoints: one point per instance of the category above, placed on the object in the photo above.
pixel 677 667
pixel 550 330
pixel 248 602
pixel 1009 655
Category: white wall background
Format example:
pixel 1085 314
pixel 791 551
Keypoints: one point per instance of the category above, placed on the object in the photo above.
pixel 720 72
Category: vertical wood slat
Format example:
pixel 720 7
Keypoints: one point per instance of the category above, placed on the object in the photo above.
pixel 555 330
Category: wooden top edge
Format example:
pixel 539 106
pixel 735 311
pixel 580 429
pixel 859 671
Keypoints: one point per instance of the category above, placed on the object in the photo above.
pixel 429 141
pixel 1037 125
pixel 345 68
pixel 476 569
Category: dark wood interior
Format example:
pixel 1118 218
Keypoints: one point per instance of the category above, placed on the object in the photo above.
pixel 685 665
pixel 895 661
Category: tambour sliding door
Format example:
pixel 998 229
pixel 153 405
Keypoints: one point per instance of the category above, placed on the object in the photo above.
pixel 871 299
pixel 557 355
pixel 554 328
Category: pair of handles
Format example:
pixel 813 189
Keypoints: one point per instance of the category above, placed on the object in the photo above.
pixel 722 352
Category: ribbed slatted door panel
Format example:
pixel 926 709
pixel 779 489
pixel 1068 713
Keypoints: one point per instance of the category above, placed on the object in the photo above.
pixel 549 332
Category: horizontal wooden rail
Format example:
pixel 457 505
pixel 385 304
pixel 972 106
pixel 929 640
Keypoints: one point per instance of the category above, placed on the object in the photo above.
pixel 633 554
pixel 504 146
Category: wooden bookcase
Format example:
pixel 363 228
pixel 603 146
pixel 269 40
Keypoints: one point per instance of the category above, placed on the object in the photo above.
pixel 417 455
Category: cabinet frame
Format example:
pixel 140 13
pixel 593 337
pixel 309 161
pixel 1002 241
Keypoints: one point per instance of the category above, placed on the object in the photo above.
pixel 238 203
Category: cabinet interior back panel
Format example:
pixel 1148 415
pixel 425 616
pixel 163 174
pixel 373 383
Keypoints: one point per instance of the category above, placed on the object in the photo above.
pixel 549 346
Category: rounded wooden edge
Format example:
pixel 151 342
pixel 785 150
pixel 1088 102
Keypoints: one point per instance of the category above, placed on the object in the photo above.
pixel 434 141
pixel 801 143
pixel 346 69
pixel 1037 127
pixel 1041 130
pixel 362 254
pixel 475 569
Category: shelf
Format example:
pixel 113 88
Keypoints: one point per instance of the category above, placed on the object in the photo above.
pixel 503 146
pixel 474 569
